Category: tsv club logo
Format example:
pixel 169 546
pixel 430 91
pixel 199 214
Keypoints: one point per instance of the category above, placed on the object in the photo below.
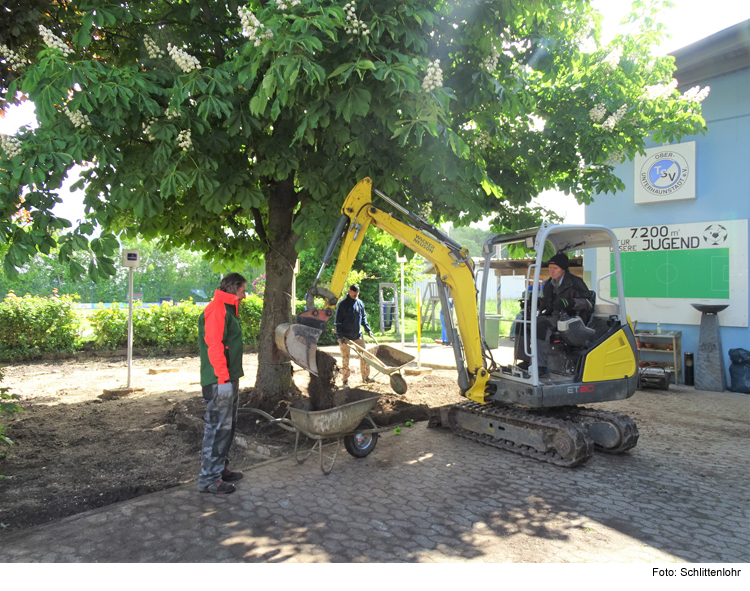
pixel 664 173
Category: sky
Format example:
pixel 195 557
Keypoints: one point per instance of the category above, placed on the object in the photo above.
pixel 687 22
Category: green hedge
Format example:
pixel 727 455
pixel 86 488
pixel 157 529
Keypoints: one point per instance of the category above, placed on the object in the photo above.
pixel 166 326
pixel 31 326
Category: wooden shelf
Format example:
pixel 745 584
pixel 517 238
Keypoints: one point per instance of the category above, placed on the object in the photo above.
pixel 673 337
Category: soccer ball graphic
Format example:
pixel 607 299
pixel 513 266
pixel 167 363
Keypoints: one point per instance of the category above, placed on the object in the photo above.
pixel 715 234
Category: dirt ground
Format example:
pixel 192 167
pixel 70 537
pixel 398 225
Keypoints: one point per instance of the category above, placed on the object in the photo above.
pixel 75 451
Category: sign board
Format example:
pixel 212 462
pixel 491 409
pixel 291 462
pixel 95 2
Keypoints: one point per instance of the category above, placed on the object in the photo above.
pixel 131 258
pixel 667 268
pixel 665 174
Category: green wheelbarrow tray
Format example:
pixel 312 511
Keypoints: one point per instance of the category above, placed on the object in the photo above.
pixel 387 360
pixel 347 422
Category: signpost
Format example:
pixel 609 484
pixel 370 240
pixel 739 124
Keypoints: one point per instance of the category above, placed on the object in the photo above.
pixel 402 260
pixel 130 259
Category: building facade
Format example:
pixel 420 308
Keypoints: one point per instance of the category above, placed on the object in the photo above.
pixel 683 219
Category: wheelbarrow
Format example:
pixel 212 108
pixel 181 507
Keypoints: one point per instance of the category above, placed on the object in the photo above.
pixel 347 423
pixel 387 360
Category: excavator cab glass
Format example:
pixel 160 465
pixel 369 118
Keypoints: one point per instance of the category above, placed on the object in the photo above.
pixel 569 338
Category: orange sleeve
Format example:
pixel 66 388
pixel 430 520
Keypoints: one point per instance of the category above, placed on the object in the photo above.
pixel 215 321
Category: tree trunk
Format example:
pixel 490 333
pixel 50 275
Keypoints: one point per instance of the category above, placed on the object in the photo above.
pixel 274 380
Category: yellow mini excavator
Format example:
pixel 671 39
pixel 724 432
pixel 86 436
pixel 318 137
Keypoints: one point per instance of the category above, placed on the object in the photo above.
pixel 507 406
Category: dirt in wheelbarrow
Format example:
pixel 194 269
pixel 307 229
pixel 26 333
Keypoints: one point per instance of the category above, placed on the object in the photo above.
pixel 75 451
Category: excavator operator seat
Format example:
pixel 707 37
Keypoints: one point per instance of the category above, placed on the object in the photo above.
pixel 574 332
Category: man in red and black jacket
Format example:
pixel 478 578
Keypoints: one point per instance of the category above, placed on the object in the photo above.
pixel 220 341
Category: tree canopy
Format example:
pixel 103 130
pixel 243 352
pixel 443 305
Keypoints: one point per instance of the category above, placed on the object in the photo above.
pixel 237 128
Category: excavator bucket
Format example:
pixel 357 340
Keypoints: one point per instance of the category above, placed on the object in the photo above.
pixel 300 343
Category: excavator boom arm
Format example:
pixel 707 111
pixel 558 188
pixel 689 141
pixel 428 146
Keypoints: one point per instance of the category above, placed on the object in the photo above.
pixel 453 266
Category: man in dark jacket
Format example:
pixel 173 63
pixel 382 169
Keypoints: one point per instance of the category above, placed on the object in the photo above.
pixel 562 293
pixel 350 318
pixel 220 342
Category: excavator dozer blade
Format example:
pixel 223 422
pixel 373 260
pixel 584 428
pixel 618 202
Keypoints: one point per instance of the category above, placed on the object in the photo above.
pixel 300 343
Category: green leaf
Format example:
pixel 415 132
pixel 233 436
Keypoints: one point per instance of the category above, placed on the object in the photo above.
pixel 340 69
pixel 82 38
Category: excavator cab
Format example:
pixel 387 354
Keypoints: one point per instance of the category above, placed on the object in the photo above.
pixel 594 351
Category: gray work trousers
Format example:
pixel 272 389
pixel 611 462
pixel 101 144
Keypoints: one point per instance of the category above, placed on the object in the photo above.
pixel 544 327
pixel 221 420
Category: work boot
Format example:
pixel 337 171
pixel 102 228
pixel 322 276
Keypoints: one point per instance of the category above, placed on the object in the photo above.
pixel 345 384
pixel 228 476
pixel 218 488
pixel 369 380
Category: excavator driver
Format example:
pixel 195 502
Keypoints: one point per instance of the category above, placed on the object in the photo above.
pixel 564 295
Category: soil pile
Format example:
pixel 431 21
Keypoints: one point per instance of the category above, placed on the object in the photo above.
pixel 323 386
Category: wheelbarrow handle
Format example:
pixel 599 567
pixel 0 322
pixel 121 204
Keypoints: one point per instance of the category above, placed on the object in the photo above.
pixel 283 422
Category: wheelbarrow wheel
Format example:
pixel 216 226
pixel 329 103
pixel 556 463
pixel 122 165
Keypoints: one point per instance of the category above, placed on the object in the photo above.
pixel 361 445
pixel 398 383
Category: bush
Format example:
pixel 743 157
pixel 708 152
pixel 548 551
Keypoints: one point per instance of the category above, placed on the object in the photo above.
pixel 163 327
pixel 110 326
pixel 32 325
pixel 251 311
pixel 166 326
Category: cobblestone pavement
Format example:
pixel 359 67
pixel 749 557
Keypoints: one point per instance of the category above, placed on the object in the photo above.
pixel 427 495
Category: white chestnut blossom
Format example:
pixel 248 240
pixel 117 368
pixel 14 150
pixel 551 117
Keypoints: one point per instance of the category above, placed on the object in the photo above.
pixel 597 113
pixel 53 42
pixel 78 119
pixel 154 52
pixel 184 140
pixel 614 119
pixel 490 62
pixel 659 91
pixel 613 59
pixel 483 140
pixel 354 26
pixel 252 28
pixel 10 145
pixel 282 5
pixel 172 112
pixel 615 158
pixel 434 77
pixel 187 62
pixel 695 94
pixel 11 58
pixel 147 129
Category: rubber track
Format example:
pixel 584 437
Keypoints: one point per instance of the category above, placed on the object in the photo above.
pixel 626 426
pixel 583 444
